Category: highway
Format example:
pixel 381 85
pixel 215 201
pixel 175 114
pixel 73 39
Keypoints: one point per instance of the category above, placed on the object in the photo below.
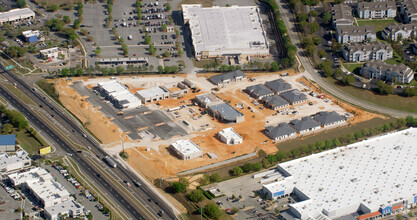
pixel 144 197
pixel 313 74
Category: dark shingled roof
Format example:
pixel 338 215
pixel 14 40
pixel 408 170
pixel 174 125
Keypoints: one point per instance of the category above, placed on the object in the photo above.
pixel 280 130
pixel 305 123
pixel 328 117
pixel 293 96
pixel 275 101
pixel 259 91
pixel 226 111
pixel 218 79
pixel 278 85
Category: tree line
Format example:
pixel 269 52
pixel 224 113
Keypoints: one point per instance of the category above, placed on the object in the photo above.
pixel 289 59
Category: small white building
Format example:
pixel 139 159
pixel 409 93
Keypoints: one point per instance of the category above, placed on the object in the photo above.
pixel 119 95
pixel 229 136
pixel 71 208
pixel 14 162
pixel 51 53
pixel 186 149
pixel 153 94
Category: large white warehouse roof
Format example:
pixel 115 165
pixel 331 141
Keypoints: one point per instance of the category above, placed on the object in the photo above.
pixel 235 28
pixel 375 173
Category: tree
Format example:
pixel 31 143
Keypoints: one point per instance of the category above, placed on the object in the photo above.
pixel 338 73
pixel 32 49
pixel 257 166
pixel 234 210
pixel 196 195
pixel 84 31
pixel 66 19
pixel 336 142
pixel 215 177
pixel 168 7
pixel 267 66
pixel 164 27
pixel 301 17
pixel 64 72
pixel 247 167
pixel 178 187
pixel 77 23
pixel 348 79
pixel 329 144
pixel 97 51
pixel 7 128
pixel 184 181
pixel 322 53
pixel 274 66
pixel 90 216
pixel 160 69
pixel 125 49
pixel 120 70
pixel 168 69
pixel 174 69
pixel 237 171
pixel 53 8
pixel 147 39
pixel 212 210
pixel 383 88
pixel 21 3
pixel 166 54
pixel 314 27
pixel 313 13
pixel 80 72
pixel 310 50
pixel 152 50
pixel 327 17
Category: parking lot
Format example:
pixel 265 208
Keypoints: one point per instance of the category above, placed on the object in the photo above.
pixel 139 123
pixel 248 198
pixel 125 20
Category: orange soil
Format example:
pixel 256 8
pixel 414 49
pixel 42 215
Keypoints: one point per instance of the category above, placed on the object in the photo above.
pixel 101 126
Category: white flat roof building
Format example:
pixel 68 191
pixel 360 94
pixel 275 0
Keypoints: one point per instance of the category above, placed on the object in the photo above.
pixel 50 52
pixel 226 31
pixel 153 94
pixel 69 207
pixel 18 14
pixel 42 185
pixel 119 95
pixel 229 136
pixel 14 162
pixel 375 175
pixel 51 195
pixel 186 149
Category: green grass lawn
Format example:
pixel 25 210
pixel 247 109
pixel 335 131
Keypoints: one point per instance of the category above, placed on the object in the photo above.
pixel 330 134
pixel 27 141
pixel 394 60
pixel 391 101
pixel 379 24
pixel 19 94
pixel 353 67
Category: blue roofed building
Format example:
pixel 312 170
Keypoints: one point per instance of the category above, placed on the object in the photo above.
pixel 7 142
pixel 32 36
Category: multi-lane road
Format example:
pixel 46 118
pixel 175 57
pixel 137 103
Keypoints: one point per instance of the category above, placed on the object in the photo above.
pixel 138 202
pixel 311 73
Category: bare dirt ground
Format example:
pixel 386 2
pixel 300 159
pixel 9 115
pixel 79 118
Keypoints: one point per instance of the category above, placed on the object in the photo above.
pixel 153 159
pixel 102 127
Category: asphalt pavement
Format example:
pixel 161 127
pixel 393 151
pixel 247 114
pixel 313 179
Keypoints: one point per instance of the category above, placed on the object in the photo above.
pixel 125 202
pixel 313 74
